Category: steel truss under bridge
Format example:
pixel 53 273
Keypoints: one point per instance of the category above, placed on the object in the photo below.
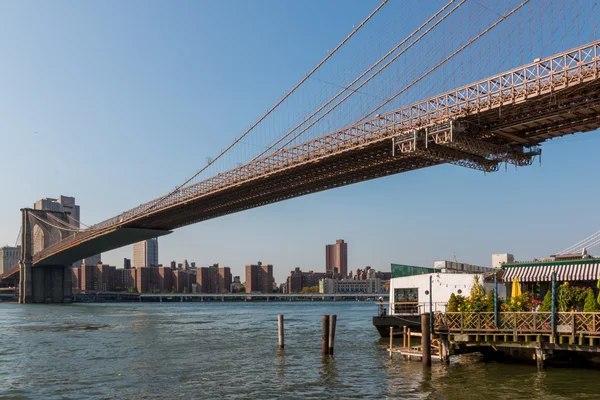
pixel 461 143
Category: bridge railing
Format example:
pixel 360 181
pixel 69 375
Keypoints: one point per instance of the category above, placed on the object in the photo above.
pixel 518 322
pixel 566 69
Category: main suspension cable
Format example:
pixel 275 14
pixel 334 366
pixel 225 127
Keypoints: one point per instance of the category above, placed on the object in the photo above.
pixel 212 161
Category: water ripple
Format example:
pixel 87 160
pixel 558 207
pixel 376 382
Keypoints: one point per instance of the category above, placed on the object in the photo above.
pixel 215 350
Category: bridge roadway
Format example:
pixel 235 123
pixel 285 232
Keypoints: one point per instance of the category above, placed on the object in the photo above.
pixel 499 119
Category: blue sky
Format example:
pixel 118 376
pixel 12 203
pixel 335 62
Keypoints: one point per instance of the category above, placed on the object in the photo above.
pixel 116 103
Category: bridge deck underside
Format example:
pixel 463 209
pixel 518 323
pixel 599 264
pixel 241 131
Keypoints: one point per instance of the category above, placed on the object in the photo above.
pixel 108 241
pixel 527 124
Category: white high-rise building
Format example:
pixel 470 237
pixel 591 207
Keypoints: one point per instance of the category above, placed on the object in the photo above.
pixel 9 256
pixel 63 204
pixel 145 254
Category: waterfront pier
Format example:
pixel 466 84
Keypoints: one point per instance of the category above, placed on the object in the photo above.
pixel 535 335
pixel 538 336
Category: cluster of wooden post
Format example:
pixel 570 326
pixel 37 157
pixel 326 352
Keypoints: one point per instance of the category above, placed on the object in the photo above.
pixel 327 336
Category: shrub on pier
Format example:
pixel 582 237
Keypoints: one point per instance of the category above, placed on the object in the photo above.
pixel 520 303
pixel 489 301
pixel 547 303
pixel 571 298
pixel 591 305
pixel 453 303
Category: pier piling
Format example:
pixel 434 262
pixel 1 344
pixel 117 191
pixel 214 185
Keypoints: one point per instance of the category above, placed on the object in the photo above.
pixel 539 358
pixel 445 354
pixel 392 339
pixel 280 330
pixel 332 323
pixel 325 335
pixel 425 339
pixel 404 337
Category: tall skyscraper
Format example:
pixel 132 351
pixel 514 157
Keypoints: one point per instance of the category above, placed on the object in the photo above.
pixel 259 278
pixel 145 253
pixel 9 257
pixel 336 257
pixel 63 204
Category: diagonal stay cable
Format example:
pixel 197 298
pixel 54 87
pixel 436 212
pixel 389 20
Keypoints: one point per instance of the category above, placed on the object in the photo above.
pixel 288 94
pixel 64 223
pixel 581 243
pixel 470 42
pixel 18 235
pixel 355 90
pixel 52 225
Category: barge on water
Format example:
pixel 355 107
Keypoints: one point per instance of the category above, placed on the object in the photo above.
pixel 411 296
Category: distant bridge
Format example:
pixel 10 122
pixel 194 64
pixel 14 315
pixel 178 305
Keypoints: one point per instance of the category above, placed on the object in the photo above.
pixel 234 296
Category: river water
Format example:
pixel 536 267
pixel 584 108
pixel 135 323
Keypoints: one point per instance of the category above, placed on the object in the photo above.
pixel 229 350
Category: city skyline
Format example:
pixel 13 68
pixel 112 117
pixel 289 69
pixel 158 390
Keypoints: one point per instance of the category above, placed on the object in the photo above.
pixel 167 100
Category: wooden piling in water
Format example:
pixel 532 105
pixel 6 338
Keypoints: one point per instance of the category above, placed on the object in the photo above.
pixel 404 330
pixel 280 330
pixel 425 339
pixel 445 355
pixel 391 340
pixel 325 335
pixel 332 323
pixel 539 358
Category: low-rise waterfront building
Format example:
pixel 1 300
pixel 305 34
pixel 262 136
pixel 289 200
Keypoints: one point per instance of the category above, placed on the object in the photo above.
pixel 298 279
pixel 581 272
pixel 371 273
pixel 350 286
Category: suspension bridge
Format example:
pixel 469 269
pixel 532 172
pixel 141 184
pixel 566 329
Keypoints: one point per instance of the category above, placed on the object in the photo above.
pixel 501 119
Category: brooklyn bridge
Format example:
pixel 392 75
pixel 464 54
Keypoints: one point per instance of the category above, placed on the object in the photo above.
pixel 504 118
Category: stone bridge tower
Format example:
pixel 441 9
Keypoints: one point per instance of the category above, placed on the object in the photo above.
pixel 47 283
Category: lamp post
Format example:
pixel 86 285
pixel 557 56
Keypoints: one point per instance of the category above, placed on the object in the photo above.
pixel 430 304
pixel 495 300
pixel 553 316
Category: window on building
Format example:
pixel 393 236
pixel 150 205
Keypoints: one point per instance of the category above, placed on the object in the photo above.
pixel 406 295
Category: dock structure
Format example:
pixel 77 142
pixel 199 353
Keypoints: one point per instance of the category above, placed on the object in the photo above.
pixel 529 335
pixel 410 352
pixel 539 334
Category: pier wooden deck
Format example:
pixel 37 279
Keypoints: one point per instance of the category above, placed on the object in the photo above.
pixel 542 335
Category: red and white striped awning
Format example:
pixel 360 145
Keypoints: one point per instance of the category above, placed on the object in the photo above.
pixel 543 273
